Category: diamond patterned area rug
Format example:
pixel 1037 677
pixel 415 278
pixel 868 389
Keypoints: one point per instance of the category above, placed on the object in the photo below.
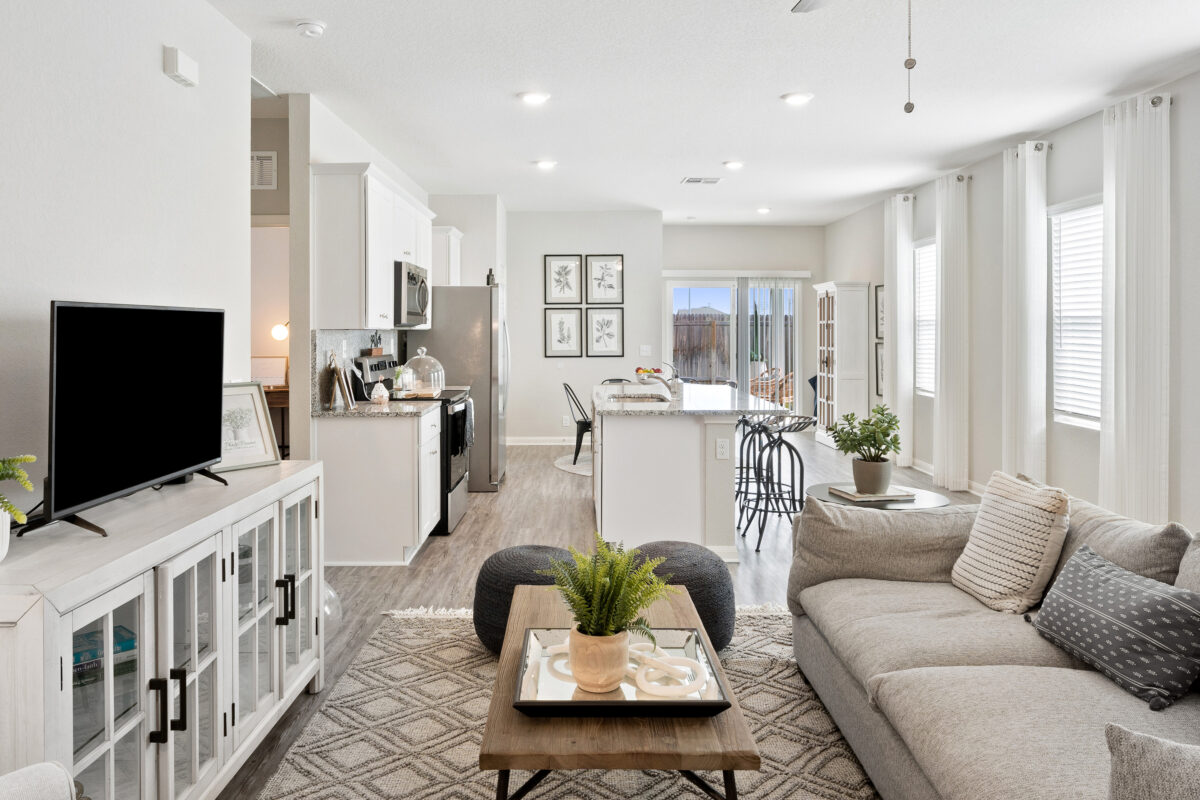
pixel 407 718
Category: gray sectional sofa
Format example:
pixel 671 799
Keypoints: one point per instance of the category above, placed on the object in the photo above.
pixel 939 696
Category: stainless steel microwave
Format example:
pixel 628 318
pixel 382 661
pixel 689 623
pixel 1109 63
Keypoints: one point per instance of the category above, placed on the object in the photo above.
pixel 412 295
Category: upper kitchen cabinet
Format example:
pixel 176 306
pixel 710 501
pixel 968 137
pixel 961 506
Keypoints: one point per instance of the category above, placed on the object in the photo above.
pixel 446 267
pixel 362 223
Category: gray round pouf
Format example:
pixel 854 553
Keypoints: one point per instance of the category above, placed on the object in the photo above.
pixel 503 571
pixel 707 580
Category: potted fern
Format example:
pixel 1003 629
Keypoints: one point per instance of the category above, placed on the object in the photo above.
pixel 606 592
pixel 869 439
pixel 10 470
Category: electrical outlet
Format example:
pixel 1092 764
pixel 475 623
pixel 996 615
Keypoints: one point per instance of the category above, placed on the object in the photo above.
pixel 644 350
pixel 722 449
pixel 566 421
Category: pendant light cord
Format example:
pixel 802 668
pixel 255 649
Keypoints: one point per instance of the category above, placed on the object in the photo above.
pixel 909 63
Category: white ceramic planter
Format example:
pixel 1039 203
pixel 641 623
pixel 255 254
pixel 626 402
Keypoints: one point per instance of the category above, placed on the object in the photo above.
pixel 5 525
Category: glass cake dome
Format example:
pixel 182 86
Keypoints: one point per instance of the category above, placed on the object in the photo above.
pixel 429 378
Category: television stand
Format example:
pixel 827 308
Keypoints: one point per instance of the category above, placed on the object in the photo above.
pixel 74 519
pixel 204 472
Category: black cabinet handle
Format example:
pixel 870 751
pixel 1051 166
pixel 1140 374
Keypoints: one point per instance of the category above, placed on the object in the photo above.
pixel 181 676
pixel 160 736
pixel 282 619
pixel 291 579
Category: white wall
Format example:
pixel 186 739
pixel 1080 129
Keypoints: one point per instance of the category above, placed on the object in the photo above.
pixel 268 289
pixel 484 222
pixel 758 248
pixel 119 185
pixel 537 401
pixel 854 252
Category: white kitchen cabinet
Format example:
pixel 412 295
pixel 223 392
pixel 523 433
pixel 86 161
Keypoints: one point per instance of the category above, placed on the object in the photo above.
pixel 124 655
pixel 424 243
pixel 446 262
pixel 430 475
pixel 842 353
pixel 362 223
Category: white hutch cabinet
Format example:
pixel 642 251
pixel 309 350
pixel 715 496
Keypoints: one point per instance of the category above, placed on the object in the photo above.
pixel 153 661
pixel 842 353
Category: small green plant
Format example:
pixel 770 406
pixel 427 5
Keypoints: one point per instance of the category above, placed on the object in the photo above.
pixel 10 470
pixel 871 438
pixel 608 590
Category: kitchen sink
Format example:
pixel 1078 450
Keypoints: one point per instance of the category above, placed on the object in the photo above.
pixel 638 398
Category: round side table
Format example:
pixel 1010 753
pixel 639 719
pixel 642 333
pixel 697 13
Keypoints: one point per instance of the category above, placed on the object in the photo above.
pixel 923 500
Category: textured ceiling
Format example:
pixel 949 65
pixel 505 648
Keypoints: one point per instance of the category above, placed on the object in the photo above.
pixel 646 92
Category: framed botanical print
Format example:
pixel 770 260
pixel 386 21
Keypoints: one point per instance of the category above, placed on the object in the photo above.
pixel 879 308
pixel 564 332
pixel 879 369
pixel 605 280
pixel 247 436
pixel 564 280
pixel 606 332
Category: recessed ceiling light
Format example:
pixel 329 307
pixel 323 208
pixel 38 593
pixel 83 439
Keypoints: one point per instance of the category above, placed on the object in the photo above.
pixel 734 165
pixel 310 28
pixel 797 98
pixel 764 210
pixel 534 98
pixel 546 164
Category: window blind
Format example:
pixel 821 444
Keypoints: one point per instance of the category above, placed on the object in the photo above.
pixel 924 317
pixel 1077 258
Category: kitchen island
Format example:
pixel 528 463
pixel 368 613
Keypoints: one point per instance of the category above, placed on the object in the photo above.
pixel 663 467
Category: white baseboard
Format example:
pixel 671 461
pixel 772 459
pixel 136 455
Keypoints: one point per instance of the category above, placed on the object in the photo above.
pixel 728 553
pixel 976 488
pixel 539 441
pixel 922 466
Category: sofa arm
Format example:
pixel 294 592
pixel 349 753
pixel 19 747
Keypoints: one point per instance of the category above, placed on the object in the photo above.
pixel 45 781
pixel 832 540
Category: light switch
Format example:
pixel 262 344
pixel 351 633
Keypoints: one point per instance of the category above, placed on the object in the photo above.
pixel 722 449
pixel 644 350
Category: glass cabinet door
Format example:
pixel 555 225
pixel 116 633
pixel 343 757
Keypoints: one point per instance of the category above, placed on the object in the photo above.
pixel 190 659
pixel 256 548
pixel 112 711
pixel 300 582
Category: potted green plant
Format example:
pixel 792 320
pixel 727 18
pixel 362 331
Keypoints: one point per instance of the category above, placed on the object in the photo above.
pixel 606 592
pixel 757 365
pixel 869 439
pixel 10 470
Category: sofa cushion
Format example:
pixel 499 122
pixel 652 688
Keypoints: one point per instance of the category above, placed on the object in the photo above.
pixel 883 626
pixel 1189 568
pixel 1152 551
pixel 1142 633
pixel 1149 768
pixel 1004 732
pixel 1014 544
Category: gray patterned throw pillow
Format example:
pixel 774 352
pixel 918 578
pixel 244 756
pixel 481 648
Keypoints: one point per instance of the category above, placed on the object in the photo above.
pixel 1144 635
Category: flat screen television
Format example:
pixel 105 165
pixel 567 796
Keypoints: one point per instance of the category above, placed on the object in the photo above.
pixel 135 399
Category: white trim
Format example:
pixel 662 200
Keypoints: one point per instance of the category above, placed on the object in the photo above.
pixel 1086 201
pixel 538 441
pixel 926 242
pixel 976 488
pixel 923 466
pixel 677 274
pixel 728 553
pixel 1077 421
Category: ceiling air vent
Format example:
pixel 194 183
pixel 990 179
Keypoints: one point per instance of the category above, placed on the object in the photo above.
pixel 263 172
pixel 701 181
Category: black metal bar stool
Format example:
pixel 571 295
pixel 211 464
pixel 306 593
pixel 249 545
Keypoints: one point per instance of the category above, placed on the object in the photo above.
pixel 753 435
pixel 778 480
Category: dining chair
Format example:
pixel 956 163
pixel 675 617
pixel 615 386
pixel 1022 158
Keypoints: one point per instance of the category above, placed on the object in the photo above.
pixel 583 423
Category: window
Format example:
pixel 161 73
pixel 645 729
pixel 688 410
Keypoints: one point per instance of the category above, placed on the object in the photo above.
pixel 924 318
pixel 1077 263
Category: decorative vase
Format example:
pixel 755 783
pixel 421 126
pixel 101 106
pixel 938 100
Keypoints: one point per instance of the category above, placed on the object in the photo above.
pixel 872 477
pixel 5 523
pixel 598 663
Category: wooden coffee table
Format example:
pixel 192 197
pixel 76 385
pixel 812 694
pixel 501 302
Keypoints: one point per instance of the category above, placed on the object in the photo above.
pixel 513 740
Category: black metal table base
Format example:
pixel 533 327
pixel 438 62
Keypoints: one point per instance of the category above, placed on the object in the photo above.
pixel 693 778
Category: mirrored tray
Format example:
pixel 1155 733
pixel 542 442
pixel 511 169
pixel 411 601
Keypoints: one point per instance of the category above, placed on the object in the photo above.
pixel 545 687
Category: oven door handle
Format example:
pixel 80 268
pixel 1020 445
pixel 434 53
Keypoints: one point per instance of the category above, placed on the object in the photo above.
pixel 457 408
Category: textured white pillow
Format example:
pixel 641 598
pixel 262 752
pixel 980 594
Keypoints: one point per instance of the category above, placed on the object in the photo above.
pixel 1014 544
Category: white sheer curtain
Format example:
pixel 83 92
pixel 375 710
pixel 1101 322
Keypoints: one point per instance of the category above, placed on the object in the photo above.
pixel 1135 374
pixel 1023 414
pixel 776 330
pixel 898 318
pixel 950 407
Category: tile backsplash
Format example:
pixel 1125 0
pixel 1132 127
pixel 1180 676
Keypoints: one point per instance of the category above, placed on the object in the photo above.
pixel 346 346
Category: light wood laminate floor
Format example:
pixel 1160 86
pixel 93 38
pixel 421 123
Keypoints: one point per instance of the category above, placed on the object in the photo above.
pixel 537 505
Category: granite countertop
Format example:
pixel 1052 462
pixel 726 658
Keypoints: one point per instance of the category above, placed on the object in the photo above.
pixel 394 408
pixel 696 399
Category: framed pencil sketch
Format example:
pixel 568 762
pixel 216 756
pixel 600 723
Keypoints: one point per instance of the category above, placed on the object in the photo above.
pixel 247 436
pixel 564 280
pixel 879 369
pixel 605 280
pixel 563 332
pixel 606 332
pixel 879 315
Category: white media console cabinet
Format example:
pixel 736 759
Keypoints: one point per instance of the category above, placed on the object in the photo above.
pixel 153 661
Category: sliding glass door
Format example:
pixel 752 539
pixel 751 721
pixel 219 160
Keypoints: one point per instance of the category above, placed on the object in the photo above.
pixel 701 335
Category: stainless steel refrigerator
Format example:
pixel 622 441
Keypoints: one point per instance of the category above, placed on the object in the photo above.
pixel 470 338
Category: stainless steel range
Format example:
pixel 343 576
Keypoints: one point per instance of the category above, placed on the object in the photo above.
pixel 457 425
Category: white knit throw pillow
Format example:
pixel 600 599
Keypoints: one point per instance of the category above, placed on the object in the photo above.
pixel 1014 544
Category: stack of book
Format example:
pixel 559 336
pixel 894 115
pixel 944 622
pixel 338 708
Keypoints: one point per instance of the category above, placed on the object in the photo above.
pixel 892 495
